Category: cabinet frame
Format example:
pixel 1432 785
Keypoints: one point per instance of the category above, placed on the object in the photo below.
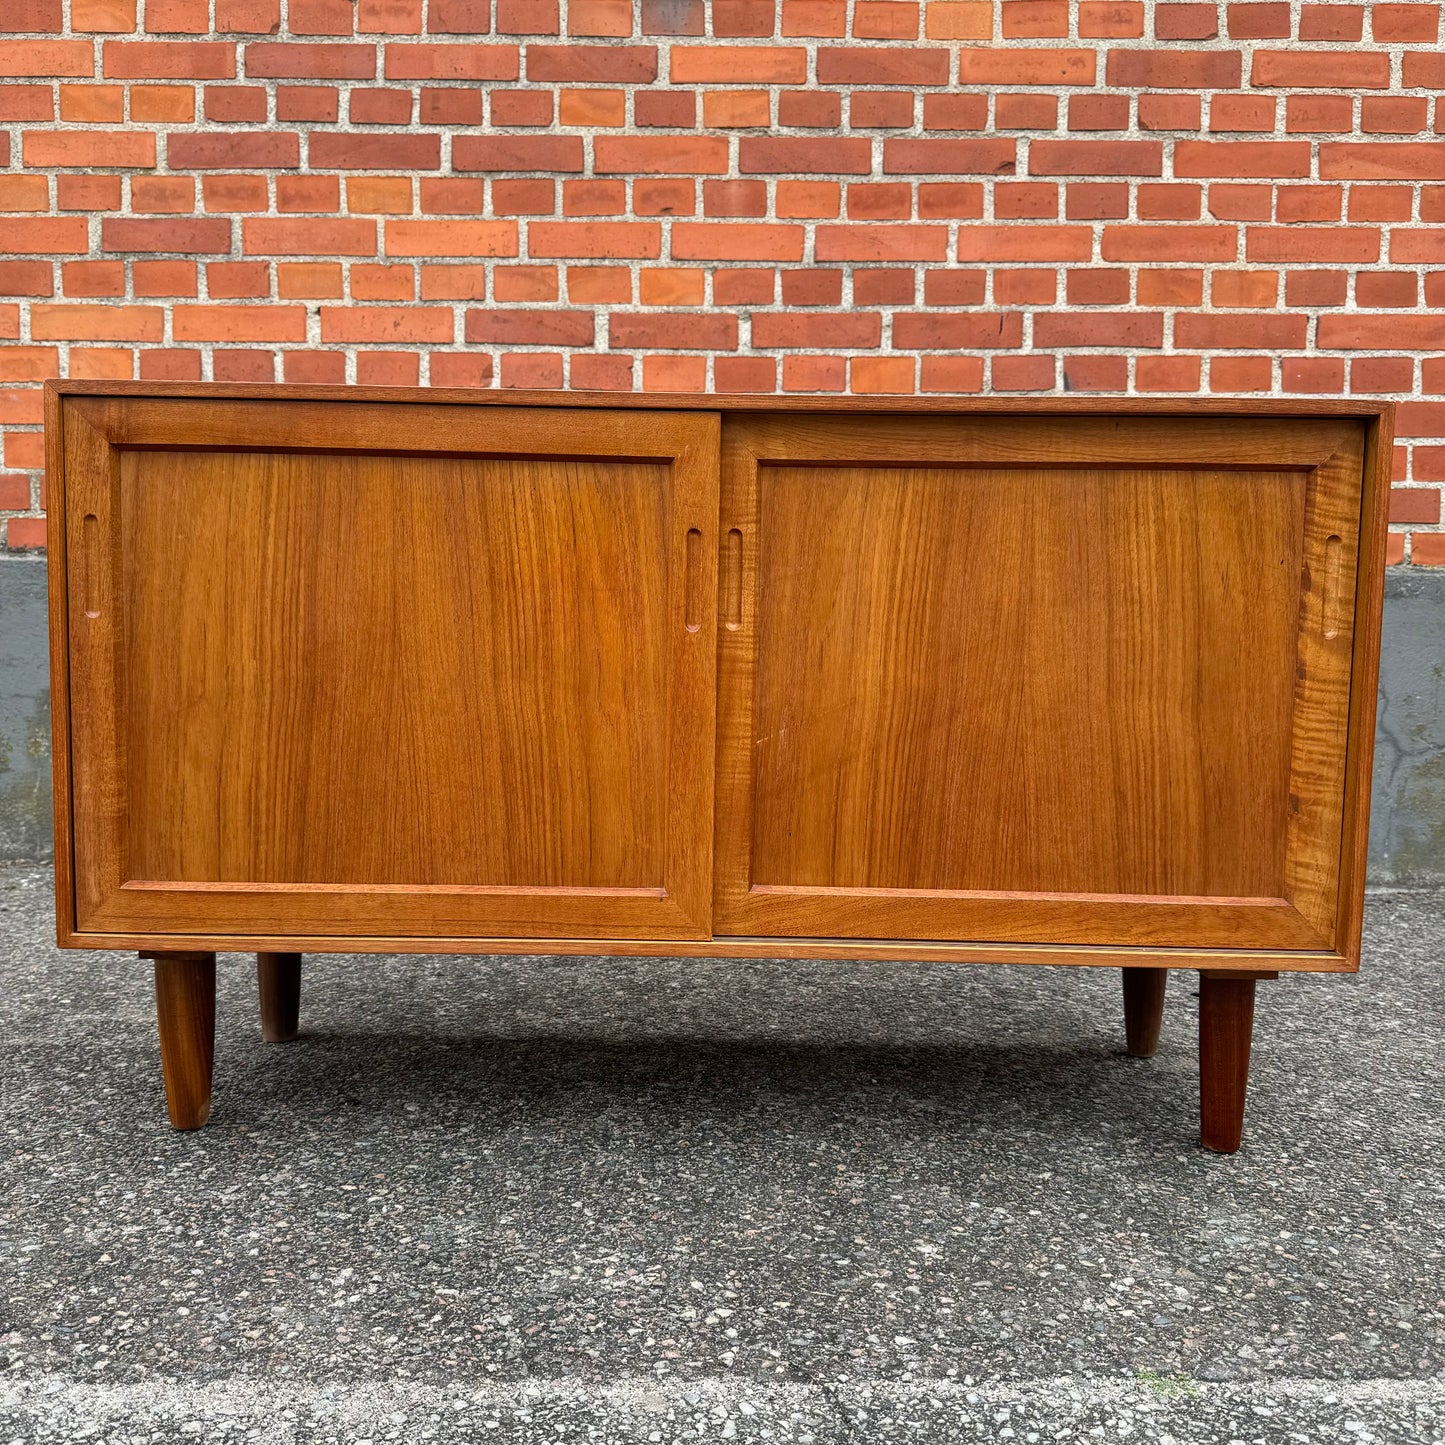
pixel 1343 955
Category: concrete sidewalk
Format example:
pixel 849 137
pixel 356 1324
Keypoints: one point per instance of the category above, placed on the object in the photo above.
pixel 629 1200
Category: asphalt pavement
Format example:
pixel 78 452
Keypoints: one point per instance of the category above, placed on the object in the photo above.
pixel 639 1200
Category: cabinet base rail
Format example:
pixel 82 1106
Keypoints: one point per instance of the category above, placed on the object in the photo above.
pixel 186 1016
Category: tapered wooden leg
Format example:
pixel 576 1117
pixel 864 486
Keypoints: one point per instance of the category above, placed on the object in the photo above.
pixel 1226 1025
pixel 278 976
pixel 1143 1009
pixel 186 1013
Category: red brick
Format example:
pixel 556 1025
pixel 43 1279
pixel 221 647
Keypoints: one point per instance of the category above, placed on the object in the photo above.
pixel 1381 333
pixel 44 236
pixel 949 201
pixel 1034 19
pixel 27 102
pixel 1318 375
pixel 1097 157
pixel 880 110
pixel 390 17
pixel 1321 69
pixel 983 66
pixel 89 148
pixel 1326 114
pixel 249 17
pixel 446 106
pixel 517 153
pixel 910 157
pixel 1415 504
pixel 956 330
pixel 1169 112
pixel 458 17
pixel 407 61
pixel 1412 24
pixel 1312 244
pixel 953 111
pixel 1382 160
pixel 738 65
pixel 736 241
pixel 880 65
pixel 814 17
pixel 1026 112
pixel 881 375
pixel 313 236
pixel 1025 201
pixel 341 150
pixel 528 17
pixel 524 197
pixel 453 283
pixel 239 323
pixel 1239 373
pixel 320 17
pixel 307 102
pixel 26 278
pixel 1243 112
pixel 1394 114
pixel 1244 288
pixel 46 58
pixel 1410 247
pixel 594 198
pixel 1167 373
pixel 178 17
pixel 1186 22
pixel 1177 69
pixel 1229 333
pixel 743 17
pixel 881 243
pixel 387 324
pixel 191 235
pixel 885 20
pixel 673 331
pixel 674 108
pixel 629 64
pixel 1168 243
pixel 1022 373
pixel 93 278
pixel 784 332
pixel 660 155
pixel 233 150
pixel 280 60
pixel 1332 22
pixel 735 198
pixel 1110 20
pixel 635 239
pixel 786 155
pixel 1376 374
pixel 1259 22
pixel 167 60
pixel 1241 158
pixel 231 104
pixel 1024 243
pixel 880 202
pixel 1098 112
pixel 673 17
pixel 58 321
pixel 531 328
pixel 379 107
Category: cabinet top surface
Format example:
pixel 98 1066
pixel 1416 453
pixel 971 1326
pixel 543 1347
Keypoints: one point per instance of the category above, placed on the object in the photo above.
pixel 739 402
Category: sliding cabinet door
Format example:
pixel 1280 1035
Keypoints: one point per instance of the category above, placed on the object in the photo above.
pixel 356 669
pixel 1064 679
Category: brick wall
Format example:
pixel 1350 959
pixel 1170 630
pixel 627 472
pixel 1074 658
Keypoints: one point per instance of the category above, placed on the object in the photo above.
pixel 815 196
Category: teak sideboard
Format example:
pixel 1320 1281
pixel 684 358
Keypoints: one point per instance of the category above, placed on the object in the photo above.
pixel 1043 681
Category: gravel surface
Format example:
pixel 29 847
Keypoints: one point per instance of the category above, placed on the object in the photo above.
pixel 652 1200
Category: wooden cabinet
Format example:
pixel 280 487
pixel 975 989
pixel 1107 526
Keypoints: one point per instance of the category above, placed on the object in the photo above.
pixel 360 670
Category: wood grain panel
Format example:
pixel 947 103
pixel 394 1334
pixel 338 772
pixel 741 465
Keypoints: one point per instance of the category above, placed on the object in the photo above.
pixel 352 686
pixel 1045 701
